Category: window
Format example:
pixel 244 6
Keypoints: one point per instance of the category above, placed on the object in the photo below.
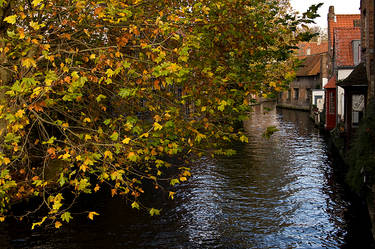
pixel 308 95
pixel 331 103
pixel 356 51
pixel 289 94
pixel 358 106
pixel 296 93
pixel 357 23
pixel 308 51
pixel 316 99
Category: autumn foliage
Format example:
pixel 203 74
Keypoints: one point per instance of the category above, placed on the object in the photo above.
pixel 101 94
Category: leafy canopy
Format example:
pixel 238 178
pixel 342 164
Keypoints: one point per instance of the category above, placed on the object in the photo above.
pixel 101 94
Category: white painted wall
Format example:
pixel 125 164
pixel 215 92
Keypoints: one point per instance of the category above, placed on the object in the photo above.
pixel 319 102
pixel 324 81
pixel 343 73
pixel 340 103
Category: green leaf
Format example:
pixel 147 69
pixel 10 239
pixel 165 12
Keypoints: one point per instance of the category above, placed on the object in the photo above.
pixel 126 64
pixel 50 141
pixel 62 179
pixel 11 137
pixel 66 217
pixel 244 139
pixel 100 97
pixel 135 205
pixel 114 136
pixel 174 182
pixel 127 92
pixel 154 211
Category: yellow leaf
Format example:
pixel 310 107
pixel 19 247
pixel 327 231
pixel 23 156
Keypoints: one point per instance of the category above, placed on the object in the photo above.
pixel 6 161
pixel 38 223
pixel 83 167
pixel 58 224
pixel 157 126
pixel 97 187
pixel 87 137
pixel 108 154
pixel 88 120
pixel 126 140
pixel 186 173
pixel 36 2
pixel 2 219
pixel 79 158
pixel 46 47
pixel 91 215
pixel 11 19
pixel 88 161
pixel 66 155
pixel 34 25
pixel 183 178
pixel 135 205
pixel 28 62
pixel 92 57
pixel 171 195
pixel 144 135
pixel 87 32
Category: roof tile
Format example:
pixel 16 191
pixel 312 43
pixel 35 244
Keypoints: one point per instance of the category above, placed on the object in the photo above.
pixel 331 83
pixel 343 38
pixel 310 66
pixel 342 21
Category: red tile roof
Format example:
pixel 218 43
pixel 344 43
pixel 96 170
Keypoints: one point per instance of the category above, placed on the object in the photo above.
pixel 315 48
pixel 331 83
pixel 343 38
pixel 310 66
pixel 342 21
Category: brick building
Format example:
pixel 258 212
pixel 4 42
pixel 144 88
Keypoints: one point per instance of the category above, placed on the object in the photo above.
pixel 309 77
pixel 344 50
pixel 368 43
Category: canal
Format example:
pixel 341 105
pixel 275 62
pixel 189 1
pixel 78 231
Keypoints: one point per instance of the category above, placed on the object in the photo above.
pixel 282 192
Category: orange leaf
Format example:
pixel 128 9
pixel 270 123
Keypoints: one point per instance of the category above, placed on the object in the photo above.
pixel 58 224
pixel 51 151
pixel 156 85
pixel 91 215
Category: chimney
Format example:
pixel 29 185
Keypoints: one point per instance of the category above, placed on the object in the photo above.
pixel 331 13
pixel 331 18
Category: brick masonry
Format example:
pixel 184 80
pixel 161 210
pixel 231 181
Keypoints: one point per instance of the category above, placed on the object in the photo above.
pixel 367 43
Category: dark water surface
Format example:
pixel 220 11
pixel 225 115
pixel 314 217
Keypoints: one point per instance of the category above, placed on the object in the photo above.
pixel 276 193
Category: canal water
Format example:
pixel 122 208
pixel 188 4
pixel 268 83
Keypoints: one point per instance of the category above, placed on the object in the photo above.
pixel 282 192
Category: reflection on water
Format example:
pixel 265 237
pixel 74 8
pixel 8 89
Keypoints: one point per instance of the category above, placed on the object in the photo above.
pixel 274 193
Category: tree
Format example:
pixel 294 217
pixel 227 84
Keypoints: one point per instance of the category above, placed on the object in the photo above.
pixel 102 93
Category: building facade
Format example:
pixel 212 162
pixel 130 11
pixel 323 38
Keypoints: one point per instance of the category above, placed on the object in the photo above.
pixel 344 51
pixel 311 76
pixel 368 44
